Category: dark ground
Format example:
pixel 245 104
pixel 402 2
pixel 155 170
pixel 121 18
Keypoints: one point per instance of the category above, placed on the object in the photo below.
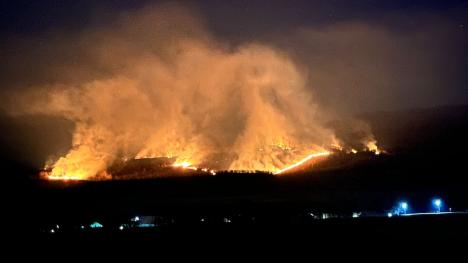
pixel 426 158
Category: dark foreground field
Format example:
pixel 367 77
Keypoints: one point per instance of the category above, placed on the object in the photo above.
pixel 403 230
pixel 426 160
pixel 248 208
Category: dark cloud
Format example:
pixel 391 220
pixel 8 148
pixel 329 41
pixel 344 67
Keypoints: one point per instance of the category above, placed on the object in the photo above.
pixel 365 67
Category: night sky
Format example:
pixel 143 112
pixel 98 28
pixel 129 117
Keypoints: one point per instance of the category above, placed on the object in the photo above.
pixel 229 17
pixel 388 54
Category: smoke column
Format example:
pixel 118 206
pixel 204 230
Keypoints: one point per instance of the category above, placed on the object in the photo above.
pixel 156 83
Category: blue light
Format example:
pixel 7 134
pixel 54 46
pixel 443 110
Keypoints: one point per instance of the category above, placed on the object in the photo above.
pixel 403 208
pixel 96 225
pixel 437 202
pixel 146 225
pixel 404 205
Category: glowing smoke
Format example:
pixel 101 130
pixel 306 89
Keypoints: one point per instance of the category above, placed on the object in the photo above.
pixel 157 84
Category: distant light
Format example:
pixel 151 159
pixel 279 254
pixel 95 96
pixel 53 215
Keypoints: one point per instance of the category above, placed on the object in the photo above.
pixel 96 225
pixel 146 225
pixel 402 208
pixel 52 231
pixel 356 215
pixel 57 226
pixel 121 227
pixel 389 214
pixel 437 202
pixel 404 205
pixel 82 227
pixel 137 218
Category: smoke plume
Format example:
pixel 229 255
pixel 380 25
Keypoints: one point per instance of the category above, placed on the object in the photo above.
pixel 156 83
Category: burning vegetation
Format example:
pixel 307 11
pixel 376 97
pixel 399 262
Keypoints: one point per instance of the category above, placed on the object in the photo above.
pixel 144 168
pixel 171 96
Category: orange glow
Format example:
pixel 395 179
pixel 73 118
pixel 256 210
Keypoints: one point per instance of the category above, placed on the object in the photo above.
pixel 301 162
pixel 158 84
pixel 372 146
pixel 63 178
pixel 71 168
pixel 184 164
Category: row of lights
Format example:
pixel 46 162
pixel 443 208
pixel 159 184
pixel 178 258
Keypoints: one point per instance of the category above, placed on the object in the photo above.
pixel 403 207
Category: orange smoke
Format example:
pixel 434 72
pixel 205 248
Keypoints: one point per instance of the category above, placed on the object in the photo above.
pixel 148 88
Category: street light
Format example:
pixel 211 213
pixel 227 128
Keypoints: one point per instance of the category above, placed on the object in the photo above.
pixel 404 207
pixel 437 204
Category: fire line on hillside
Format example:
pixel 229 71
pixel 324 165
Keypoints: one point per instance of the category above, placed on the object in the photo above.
pixel 142 168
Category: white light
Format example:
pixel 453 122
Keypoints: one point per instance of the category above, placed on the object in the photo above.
pixel 57 226
pixel 404 205
pixel 121 227
pixel 52 231
pixel 437 202
pixel 389 214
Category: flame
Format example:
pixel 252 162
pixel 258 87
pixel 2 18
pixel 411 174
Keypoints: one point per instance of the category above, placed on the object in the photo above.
pixel 301 162
pixel 78 165
pixel 64 178
pixel 171 88
pixel 68 169
pixel 189 166
pixel 372 146
pixel 184 164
